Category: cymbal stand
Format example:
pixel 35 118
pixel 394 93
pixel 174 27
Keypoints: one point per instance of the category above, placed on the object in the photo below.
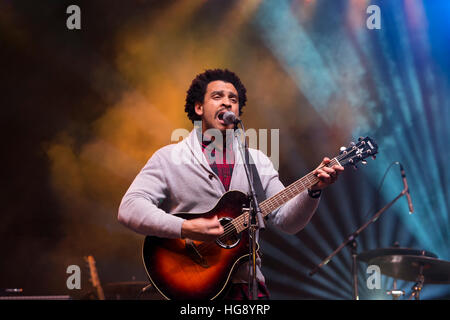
pixel 417 287
pixel 396 293
pixel 353 249
pixel 351 242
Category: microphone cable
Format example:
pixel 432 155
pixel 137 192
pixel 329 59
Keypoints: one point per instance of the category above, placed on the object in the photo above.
pixel 377 197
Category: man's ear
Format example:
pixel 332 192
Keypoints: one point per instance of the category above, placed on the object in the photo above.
pixel 198 109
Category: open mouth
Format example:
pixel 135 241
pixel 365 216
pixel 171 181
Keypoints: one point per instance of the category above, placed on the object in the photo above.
pixel 220 117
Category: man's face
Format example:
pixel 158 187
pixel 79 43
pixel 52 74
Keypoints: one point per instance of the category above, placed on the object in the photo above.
pixel 220 97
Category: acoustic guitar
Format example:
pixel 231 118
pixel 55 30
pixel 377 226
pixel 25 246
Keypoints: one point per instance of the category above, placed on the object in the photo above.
pixel 185 269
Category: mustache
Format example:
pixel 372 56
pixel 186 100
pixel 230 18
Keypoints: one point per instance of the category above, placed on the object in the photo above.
pixel 220 111
pixel 225 109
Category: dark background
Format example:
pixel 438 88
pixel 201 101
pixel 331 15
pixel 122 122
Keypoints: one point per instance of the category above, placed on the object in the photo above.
pixel 65 92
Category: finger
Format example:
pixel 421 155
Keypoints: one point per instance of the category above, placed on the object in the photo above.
pixel 213 228
pixel 216 231
pixel 323 175
pixel 329 170
pixel 333 174
pixel 324 170
pixel 338 168
pixel 213 222
pixel 324 162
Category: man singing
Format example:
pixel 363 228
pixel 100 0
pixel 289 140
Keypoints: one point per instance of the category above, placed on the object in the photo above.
pixel 167 185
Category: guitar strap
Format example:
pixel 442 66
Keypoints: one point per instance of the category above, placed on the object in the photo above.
pixel 260 194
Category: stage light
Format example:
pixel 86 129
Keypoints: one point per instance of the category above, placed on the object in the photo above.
pixel 395 83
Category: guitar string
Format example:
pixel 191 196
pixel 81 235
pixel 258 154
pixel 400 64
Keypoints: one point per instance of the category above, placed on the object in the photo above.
pixel 291 194
pixel 230 228
pixel 287 193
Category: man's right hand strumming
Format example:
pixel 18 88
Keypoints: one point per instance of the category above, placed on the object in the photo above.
pixel 202 229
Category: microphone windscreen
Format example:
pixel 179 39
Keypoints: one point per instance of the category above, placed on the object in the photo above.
pixel 229 117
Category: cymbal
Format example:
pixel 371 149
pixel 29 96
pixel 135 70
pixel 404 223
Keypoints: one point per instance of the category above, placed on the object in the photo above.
pixel 407 267
pixel 367 256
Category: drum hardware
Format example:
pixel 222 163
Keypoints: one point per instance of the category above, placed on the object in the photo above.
pixel 396 293
pixel 351 241
pixel 417 287
pixel 418 266
pixel 13 290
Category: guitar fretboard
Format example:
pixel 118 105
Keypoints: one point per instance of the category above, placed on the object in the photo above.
pixel 276 201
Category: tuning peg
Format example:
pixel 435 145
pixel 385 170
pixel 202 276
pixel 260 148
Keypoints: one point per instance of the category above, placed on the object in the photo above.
pixel 342 149
pixel 364 162
pixel 360 138
pixel 352 144
pixel 374 157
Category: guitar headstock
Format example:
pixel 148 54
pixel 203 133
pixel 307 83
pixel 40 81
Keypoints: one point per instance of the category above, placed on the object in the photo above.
pixel 92 270
pixel 358 152
pixel 94 277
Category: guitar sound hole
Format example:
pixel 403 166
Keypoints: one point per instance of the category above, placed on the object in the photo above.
pixel 229 239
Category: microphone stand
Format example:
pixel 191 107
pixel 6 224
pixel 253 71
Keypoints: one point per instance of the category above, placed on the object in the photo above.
pixel 255 220
pixel 351 241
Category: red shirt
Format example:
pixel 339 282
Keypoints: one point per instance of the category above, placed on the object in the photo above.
pixel 221 162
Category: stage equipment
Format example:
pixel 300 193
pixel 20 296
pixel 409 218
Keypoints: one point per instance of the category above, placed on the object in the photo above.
pixel 419 266
pixel 351 239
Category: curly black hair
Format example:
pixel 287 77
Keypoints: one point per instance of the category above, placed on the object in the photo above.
pixel 197 90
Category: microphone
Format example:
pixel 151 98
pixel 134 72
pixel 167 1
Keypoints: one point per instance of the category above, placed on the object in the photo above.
pixel 405 184
pixel 230 118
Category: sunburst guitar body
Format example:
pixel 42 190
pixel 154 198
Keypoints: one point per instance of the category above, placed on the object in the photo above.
pixel 186 269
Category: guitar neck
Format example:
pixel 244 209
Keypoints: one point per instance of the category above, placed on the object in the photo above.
pixel 276 201
pixel 100 293
pixel 294 189
pixel 94 277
